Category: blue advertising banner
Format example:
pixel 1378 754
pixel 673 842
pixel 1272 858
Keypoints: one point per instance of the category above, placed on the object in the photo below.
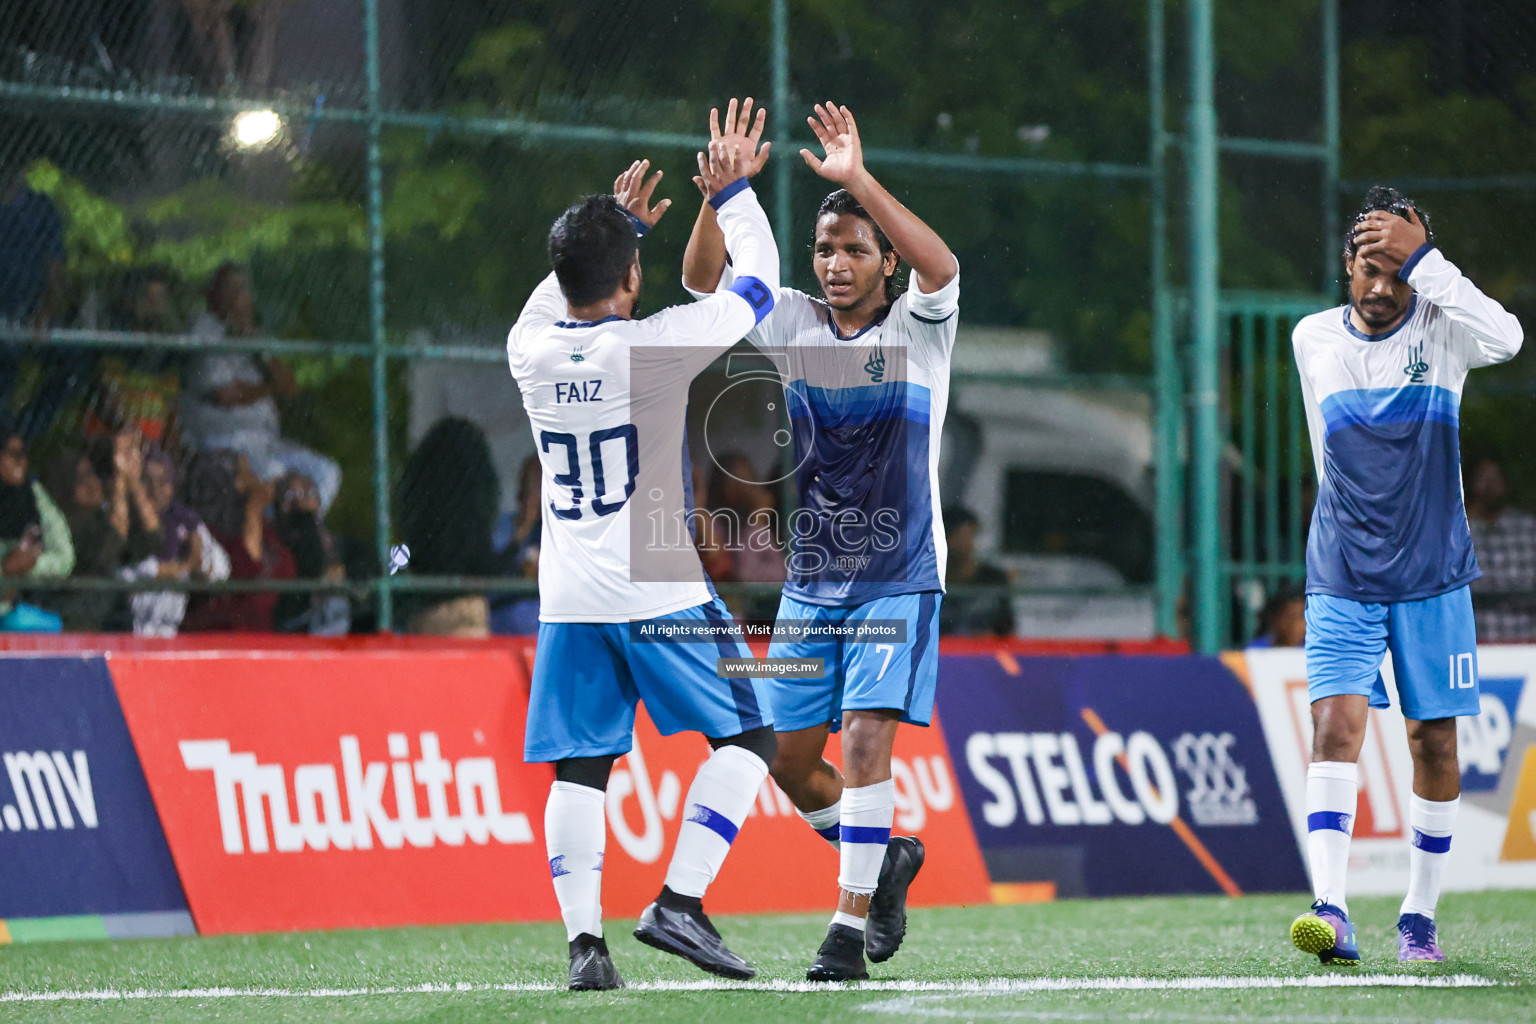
pixel 78 831
pixel 1117 775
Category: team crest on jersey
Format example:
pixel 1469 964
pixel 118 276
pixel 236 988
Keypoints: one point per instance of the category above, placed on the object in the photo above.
pixel 875 367
pixel 1418 367
pixel 576 355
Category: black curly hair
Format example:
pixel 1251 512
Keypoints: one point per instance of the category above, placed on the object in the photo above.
pixel 1384 197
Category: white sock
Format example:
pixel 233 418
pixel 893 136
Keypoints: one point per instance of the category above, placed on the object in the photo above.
pixel 848 921
pixel 575 830
pixel 1432 821
pixel 1332 787
pixel 718 801
pixel 825 822
pixel 865 830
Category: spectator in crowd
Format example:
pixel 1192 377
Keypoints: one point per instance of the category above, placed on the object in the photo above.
pixel 1283 620
pixel 112 521
pixel 757 556
pixel 963 614
pixel 233 501
pixel 140 390
pixel 518 614
pixel 316 556
pixel 230 399
pixel 32 296
pixel 187 551
pixel 735 486
pixel 716 541
pixel 34 536
pixel 447 503
pixel 528 524
pixel 1504 540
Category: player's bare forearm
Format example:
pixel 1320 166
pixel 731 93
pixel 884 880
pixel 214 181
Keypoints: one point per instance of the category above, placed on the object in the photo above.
pixel 704 259
pixel 933 265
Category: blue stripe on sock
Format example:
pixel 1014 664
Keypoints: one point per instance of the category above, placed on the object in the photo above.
pixel 557 867
pixel 830 833
pixel 599 865
pixel 1431 844
pixel 1338 820
pixel 864 834
pixel 714 821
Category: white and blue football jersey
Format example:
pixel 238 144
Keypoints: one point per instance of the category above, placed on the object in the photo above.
pixel 606 401
pixel 866 414
pixel 1383 412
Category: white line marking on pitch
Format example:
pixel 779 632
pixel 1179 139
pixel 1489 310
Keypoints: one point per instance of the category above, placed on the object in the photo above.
pixel 995 986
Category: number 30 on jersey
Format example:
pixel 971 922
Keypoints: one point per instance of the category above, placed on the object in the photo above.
pixel 600 443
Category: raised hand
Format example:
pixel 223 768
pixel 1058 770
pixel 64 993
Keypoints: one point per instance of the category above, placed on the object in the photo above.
pixel 1387 236
pixel 843 162
pixel 634 193
pixel 742 133
pixel 718 167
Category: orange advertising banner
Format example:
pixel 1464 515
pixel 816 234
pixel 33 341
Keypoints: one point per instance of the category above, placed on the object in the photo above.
pixel 778 863
pixel 312 790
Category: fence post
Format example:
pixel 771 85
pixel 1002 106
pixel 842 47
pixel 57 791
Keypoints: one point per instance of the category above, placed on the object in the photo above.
pixel 1331 140
pixel 782 167
pixel 379 362
pixel 1204 285
pixel 1169 389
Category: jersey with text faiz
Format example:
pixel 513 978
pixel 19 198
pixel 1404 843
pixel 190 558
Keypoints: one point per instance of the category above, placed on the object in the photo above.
pixel 1383 412
pixel 606 401
pixel 866 414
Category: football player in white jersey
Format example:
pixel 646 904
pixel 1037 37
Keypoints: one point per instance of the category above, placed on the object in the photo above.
pixel 625 616
pixel 1389 554
pixel 866 376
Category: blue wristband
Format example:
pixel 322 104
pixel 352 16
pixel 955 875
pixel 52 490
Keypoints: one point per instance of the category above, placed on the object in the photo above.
pixel 1406 270
pixel 641 227
pixel 719 198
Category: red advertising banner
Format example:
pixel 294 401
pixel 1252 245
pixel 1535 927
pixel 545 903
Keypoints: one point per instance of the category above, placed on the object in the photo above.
pixel 777 862
pixel 342 790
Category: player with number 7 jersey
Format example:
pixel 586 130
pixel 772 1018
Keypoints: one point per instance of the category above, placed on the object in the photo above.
pixel 626 611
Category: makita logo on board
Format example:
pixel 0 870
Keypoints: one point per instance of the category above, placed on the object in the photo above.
pixel 44 785
pixel 462 799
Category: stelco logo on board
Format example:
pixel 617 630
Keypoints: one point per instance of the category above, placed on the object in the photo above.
pixel 431 799
pixel 1048 777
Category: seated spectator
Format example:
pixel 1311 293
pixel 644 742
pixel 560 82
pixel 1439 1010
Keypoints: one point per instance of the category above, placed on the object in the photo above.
pixel 112 521
pixel 735 486
pixel 34 536
pixel 1504 540
pixel 963 614
pixel 528 524
pixel 715 541
pixel 32 295
pixel 756 556
pixel 232 500
pixel 446 503
pixel 518 614
pixel 187 551
pixel 316 555
pixel 1283 620
pixel 140 391
pixel 230 398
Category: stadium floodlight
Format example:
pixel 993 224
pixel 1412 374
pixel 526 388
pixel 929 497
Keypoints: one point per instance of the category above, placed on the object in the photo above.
pixel 255 129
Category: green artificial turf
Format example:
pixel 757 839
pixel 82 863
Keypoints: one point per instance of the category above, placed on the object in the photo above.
pixel 1489 935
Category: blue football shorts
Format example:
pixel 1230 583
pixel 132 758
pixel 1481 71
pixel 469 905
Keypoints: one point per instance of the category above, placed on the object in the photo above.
pixel 588 677
pixel 862 675
pixel 1433 643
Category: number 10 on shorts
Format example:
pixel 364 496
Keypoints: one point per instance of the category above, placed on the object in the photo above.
pixel 1463 671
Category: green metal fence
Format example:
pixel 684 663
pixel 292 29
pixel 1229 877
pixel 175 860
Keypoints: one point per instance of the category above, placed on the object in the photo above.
pixel 394 216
